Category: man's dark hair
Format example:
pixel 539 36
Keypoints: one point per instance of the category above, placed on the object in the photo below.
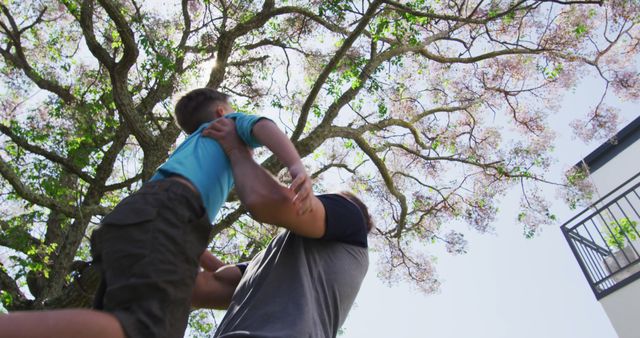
pixel 197 107
pixel 363 208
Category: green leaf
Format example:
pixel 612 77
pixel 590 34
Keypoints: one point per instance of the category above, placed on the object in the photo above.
pixel 521 216
pixel 580 30
pixel 619 231
pixel 6 299
pixel 116 39
pixel 435 144
pixel 317 112
pixel 348 144
pixel 382 109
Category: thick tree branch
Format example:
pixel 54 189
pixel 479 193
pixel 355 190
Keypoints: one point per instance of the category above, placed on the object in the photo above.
pixel 227 221
pixel 23 191
pixel 386 177
pixel 576 2
pixel 19 60
pixel 9 285
pixel 311 15
pixel 9 234
pixel 86 23
pixel 329 166
pixel 29 195
pixel 130 53
pixel 66 163
pixel 227 39
pixel 330 67
pixel 124 184
pixel 164 89
pixel 248 61
pixel 80 291
pixel 117 71
pixel 104 169
pixel 456 18
pixel 473 59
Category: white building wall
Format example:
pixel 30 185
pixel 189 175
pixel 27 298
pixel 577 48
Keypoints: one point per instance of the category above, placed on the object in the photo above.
pixel 623 305
pixel 623 309
pixel 617 170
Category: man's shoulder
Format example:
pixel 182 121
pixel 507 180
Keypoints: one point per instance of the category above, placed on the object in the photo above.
pixel 349 258
pixel 321 245
pixel 344 221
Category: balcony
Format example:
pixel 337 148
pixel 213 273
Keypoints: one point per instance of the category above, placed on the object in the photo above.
pixel 605 239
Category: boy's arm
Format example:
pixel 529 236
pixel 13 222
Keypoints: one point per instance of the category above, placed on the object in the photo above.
pixel 268 134
pixel 265 198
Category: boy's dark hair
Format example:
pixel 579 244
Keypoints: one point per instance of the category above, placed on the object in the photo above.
pixel 363 208
pixel 197 107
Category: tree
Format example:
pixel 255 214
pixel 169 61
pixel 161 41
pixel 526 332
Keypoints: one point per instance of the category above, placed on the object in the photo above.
pixel 431 110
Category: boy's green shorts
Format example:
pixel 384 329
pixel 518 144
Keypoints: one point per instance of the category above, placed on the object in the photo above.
pixel 147 250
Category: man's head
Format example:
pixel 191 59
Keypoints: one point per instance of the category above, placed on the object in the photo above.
pixel 200 106
pixel 363 208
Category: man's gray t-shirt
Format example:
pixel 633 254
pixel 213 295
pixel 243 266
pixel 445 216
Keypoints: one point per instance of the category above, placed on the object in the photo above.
pixel 297 287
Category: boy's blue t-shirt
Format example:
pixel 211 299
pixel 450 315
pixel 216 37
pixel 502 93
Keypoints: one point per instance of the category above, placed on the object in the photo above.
pixel 202 161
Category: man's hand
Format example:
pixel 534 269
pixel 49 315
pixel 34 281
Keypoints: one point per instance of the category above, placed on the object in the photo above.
pixel 209 262
pixel 301 186
pixel 215 285
pixel 224 131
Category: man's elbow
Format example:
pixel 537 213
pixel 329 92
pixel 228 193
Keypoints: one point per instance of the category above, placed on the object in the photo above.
pixel 265 207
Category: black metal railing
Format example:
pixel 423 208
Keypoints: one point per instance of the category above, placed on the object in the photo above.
pixel 606 242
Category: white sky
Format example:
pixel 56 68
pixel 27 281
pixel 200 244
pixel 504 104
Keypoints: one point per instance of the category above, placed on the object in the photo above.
pixel 506 286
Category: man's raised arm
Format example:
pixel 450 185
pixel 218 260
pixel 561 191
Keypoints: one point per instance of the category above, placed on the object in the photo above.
pixel 264 197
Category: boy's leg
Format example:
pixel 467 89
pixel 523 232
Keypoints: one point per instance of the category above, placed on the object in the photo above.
pixel 147 250
pixel 80 323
